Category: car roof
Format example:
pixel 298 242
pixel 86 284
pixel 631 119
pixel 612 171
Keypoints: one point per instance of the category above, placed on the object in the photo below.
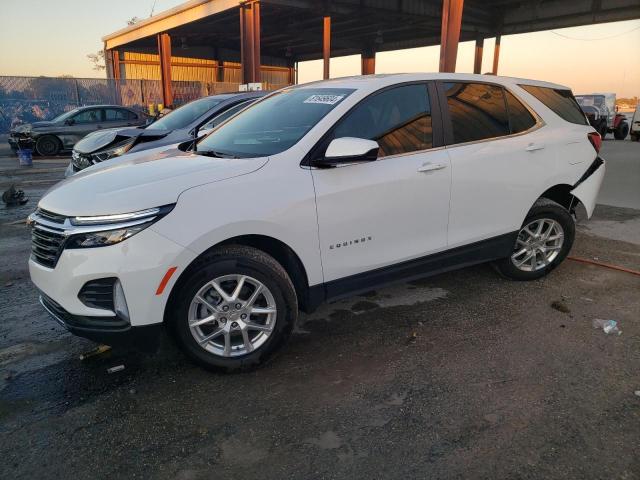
pixel 375 82
pixel 84 107
pixel 238 95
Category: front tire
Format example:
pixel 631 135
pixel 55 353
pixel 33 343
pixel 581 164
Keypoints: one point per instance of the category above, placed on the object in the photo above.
pixel 543 242
pixel 233 309
pixel 48 146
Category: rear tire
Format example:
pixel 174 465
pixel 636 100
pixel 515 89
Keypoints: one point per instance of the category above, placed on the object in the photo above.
pixel 241 338
pixel 621 132
pixel 543 242
pixel 48 145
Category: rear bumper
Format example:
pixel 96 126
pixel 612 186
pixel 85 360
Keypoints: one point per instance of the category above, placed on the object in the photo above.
pixel 119 333
pixel 587 188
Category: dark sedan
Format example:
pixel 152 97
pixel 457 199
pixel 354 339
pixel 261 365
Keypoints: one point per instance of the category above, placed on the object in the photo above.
pixel 62 133
pixel 178 126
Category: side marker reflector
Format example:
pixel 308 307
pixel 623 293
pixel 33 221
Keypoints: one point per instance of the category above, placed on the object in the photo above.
pixel 165 280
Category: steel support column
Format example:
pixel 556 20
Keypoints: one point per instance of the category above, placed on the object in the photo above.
pixel 477 60
pixel 326 46
pixel 450 34
pixel 250 42
pixel 115 58
pixel 368 65
pixel 164 52
pixel 496 55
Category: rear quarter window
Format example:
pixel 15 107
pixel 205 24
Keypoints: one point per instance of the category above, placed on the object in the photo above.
pixel 560 101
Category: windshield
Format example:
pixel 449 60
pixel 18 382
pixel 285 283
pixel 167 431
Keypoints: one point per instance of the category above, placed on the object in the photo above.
pixel 275 124
pixel 183 116
pixel 65 115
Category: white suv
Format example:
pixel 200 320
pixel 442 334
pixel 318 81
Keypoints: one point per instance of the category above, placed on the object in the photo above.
pixel 315 192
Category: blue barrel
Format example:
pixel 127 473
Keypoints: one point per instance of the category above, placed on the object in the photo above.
pixel 25 155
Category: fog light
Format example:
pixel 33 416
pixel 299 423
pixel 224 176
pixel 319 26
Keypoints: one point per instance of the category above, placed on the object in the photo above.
pixel 119 302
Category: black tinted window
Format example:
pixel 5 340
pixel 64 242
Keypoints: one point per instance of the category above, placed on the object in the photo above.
pixel 398 119
pixel 114 114
pixel 477 111
pixel 520 118
pixel 560 101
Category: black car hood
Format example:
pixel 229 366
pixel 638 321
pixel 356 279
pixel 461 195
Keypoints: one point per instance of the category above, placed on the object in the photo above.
pixel 42 124
pixel 103 138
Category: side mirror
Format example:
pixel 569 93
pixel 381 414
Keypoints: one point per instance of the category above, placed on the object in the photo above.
pixel 69 121
pixel 350 150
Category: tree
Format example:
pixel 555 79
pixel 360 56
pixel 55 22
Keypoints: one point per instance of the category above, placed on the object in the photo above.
pixel 97 59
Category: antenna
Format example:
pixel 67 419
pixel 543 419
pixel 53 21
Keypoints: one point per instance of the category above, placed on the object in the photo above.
pixel 153 7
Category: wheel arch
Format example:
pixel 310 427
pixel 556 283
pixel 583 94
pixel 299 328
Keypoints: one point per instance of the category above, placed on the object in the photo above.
pixel 279 250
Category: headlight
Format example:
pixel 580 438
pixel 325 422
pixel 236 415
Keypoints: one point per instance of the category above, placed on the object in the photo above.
pixel 105 230
pixel 105 238
pixel 113 152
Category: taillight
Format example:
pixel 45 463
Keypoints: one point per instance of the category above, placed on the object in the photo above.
pixel 596 140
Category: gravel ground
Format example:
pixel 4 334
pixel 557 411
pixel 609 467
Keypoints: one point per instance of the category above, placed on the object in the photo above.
pixel 463 375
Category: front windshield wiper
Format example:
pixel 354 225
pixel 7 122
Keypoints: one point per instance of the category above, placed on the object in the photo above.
pixel 215 154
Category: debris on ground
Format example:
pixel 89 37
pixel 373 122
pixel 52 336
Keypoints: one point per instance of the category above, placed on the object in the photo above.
pixel 13 197
pixel 637 393
pixel 99 350
pixel 8 284
pixel 117 368
pixel 607 326
pixel 560 306
pixel 412 338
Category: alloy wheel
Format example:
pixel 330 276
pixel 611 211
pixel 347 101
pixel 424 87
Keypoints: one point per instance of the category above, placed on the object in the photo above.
pixel 538 244
pixel 232 315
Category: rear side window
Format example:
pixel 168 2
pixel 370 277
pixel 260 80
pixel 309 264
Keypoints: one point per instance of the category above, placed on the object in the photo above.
pixel 560 101
pixel 478 111
pixel 114 114
pixel 520 118
pixel 399 119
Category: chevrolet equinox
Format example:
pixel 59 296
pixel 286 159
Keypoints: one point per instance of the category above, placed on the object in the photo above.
pixel 315 192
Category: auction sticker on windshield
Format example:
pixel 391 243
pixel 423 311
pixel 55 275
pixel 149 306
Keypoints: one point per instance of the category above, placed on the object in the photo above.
pixel 324 99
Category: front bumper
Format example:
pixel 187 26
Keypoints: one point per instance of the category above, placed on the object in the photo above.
pixel 120 332
pixel 139 263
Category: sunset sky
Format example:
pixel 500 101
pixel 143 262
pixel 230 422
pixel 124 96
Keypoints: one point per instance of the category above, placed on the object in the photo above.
pixel 57 39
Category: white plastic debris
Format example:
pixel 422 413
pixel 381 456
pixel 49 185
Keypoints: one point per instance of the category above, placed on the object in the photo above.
pixel 607 326
pixel 115 369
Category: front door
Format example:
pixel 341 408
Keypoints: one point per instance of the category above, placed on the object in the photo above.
pixel 394 209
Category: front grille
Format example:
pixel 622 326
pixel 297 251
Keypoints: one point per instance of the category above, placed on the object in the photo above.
pixel 46 245
pixel 98 293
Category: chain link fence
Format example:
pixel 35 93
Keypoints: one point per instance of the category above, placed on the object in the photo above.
pixel 33 99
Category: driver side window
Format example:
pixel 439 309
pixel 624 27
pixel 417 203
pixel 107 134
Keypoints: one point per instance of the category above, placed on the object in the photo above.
pixel 399 119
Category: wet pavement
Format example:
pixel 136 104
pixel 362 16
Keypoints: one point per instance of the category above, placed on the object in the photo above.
pixel 463 375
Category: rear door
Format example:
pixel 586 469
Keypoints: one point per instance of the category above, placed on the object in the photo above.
pixel 499 164
pixel 396 208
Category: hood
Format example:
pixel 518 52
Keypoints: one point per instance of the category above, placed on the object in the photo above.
pixel 42 124
pixel 141 180
pixel 96 141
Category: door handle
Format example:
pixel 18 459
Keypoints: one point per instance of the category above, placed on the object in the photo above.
pixel 532 147
pixel 430 167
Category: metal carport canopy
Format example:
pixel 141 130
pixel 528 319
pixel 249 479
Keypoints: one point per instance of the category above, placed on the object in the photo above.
pixel 382 24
